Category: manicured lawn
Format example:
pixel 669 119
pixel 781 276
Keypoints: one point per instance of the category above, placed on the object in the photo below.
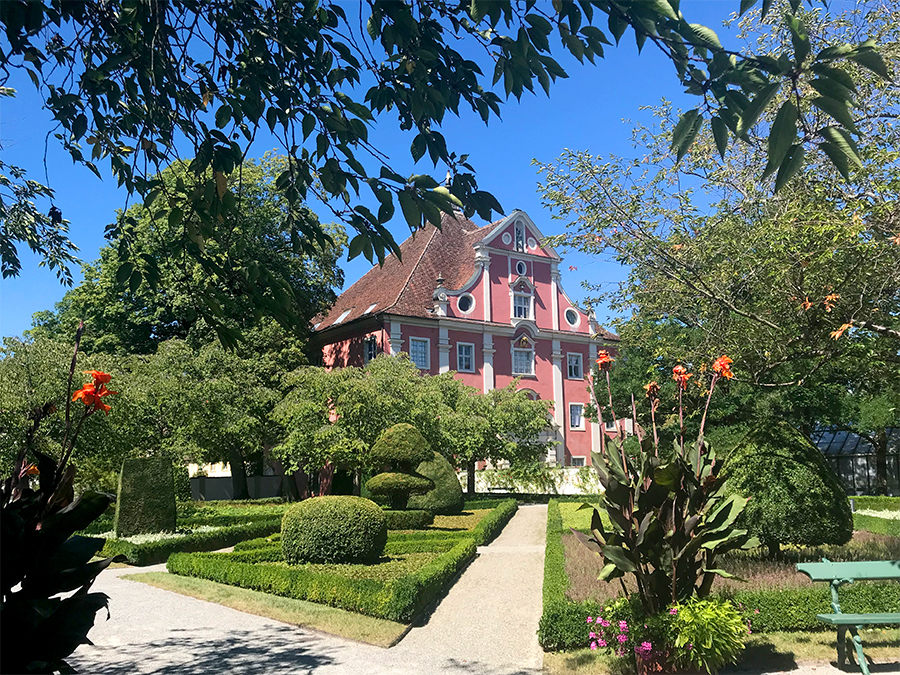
pixel 379 632
pixel 766 652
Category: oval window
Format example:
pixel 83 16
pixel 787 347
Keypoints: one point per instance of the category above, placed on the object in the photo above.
pixel 465 303
pixel 572 317
pixel 521 268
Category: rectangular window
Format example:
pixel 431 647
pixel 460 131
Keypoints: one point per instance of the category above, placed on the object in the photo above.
pixel 610 425
pixel 576 416
pixel 465 357
pixel 521 306
pixel 418 352
pixel 523 362
pixel 520 237
pixel 574 361
pixel 370 349
pixel 577 461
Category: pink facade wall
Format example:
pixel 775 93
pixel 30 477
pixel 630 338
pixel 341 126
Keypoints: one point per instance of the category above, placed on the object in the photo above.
pixel 349 351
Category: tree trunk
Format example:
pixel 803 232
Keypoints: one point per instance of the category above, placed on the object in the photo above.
pixel 326 478
pixel 238 475
pixel 357 482
pixel 774 550
pixel 470 477
pixel 881 442
pixel 288 489
pixel 301 484
pixel 399 501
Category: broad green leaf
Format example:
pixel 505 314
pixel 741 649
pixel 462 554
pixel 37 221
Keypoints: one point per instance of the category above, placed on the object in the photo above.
pixel 781 136
pixel 661 7
pixel 755 107
pixel 790 166
pixel 706 36
pixel 872 60
pixel 799 39
pixel 745 5
pixel 723 574
pixel 686 131
pixel 829 88
pixel 609 572
pixel 841 150
pixel 835 52
pixel 223 116
pixel 765 7
pixel 134 281
pixel 124 272
pixel 356 246
pixel 616 27
pixel 410 210
pixel 619 557
pixel 838 110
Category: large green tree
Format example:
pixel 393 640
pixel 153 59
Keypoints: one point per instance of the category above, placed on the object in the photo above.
pixel 124 318
pixel 141 84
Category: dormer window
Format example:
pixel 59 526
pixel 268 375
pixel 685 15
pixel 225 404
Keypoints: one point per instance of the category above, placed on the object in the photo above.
pixel 521 306
pixel 520 236
pixel 343 316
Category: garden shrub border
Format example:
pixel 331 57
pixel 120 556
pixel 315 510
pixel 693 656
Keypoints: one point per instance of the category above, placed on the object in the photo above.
pixel 153 552
pixel 410 519
pixel 397 600
pixel 876 525
pixel 562 624
pixel 875 502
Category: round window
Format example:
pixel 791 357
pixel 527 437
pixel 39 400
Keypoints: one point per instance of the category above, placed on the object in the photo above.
pixel 572 317
pixel 465 303
pixel 521 268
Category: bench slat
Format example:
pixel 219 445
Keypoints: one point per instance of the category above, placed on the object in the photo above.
pixel 861 569
pixel 859 619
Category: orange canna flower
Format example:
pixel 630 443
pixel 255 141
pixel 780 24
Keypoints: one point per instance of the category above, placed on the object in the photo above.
pixel 830 301
pixel 32 470
pixel 91 394
pixel 806 305
pixel 722 366
pixel 836 334
pixel 99 376
pixel 681 376
pixel 604 360
pixel 652 389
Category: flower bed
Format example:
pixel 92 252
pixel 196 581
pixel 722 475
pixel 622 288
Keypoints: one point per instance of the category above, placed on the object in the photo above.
pixel 414 572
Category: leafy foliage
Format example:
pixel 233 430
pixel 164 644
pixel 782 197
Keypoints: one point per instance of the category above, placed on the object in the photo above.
pixel 409 519
pixel 714 630
pixel 795 496
pixel 446 497
pixel 333 529
pixel 402 448
pixel 146 500
pixel 151 79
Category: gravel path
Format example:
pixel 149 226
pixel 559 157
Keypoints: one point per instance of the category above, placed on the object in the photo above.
pixel 486 624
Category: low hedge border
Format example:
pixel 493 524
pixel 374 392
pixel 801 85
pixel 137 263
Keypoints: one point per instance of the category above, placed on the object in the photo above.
pixel 492 523
pixel 397 600
pixel 411 519
pixel 876 503
pixel 482 500
pixel 876 525
pixel 153 552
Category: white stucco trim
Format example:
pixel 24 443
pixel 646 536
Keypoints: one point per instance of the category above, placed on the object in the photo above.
pixel 487 350
pixel 595 427
pixel 395 339
pixel 559 407
pixel 443 350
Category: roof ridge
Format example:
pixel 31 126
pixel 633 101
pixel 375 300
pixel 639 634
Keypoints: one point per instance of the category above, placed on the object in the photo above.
pixel 434 230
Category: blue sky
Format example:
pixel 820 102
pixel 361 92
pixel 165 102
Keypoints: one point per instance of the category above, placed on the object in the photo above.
pixel 589 111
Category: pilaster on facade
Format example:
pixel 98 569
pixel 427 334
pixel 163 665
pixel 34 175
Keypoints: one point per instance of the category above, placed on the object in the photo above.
pixel 396 339
pixel 595 426
pixel 483 258
pixel 554 293
pixel 487 350
pixel 559 404
pixel 443 350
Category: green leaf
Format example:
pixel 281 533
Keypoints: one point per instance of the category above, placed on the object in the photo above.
pixel 869 58
pixel 835 52
pixel 723 574
pixel 765 7
pixel 720 133
pixel 661 7
pixel 745 5
pixel 755 107
pixel 176 215
pixel 799 39
pixel 619 557
pixel 829 88
pixel 124 271
pixel 609 572
pixel 223 115
pixel 410 210
pixel 841 150
pixel 790 166
pixel 838 110
pixel 134 281
pixel 686 131
pixel 706 36
pixel 616 27
pixel 357 244
pixel 781 136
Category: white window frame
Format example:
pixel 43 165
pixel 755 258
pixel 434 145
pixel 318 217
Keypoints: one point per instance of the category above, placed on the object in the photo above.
pixel 577 317
pixel 367 342
pixel 581 416
pixel 577 461
pixel 525 265
pixel 530 352
pixel 530 306
pixel 459 367
pixel 569 375
pixel 471 307
pixel 427 342
pixel 610 425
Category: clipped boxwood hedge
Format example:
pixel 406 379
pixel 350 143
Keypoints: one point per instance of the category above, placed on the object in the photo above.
pixel 876 503
pixel 410 519
pixel 446 497
pixel 146 499
pixel 333 529
pixel 154 552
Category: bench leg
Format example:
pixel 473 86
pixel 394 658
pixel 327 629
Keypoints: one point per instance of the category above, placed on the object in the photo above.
pixel 842 645
pixel 857 642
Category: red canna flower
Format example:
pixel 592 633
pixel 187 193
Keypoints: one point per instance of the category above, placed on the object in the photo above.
pixel 681 376
pixel 92 393
pixel 99 376
pixel 604 360
pixel 722 366
pixel 652 389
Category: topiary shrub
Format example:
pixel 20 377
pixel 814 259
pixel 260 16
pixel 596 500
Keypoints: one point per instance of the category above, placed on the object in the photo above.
pixel 410 519
pixel 446 497
pixel 402 448
pixel 333 529
pixel 795 497
pixel 146 499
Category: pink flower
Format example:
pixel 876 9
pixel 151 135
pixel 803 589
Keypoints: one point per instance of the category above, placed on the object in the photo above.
pixel 622 638
pixel 592 635
pixel 604 623
pixel 673 611
pixel 593 645
pixel 623 626
pixel 756 611
pixel 590 619
pixel 601 642
pixel 690 645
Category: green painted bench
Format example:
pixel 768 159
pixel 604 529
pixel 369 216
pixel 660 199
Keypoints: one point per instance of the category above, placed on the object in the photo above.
pixel 840 573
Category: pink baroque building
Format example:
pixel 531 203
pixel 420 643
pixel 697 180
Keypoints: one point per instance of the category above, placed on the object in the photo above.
pixel 485 302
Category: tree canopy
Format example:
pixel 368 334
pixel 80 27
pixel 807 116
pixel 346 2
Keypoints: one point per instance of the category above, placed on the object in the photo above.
pixel 141 85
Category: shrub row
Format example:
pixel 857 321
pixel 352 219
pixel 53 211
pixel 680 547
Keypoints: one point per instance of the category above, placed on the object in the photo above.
pixel 877 503
pixel 411 519
pixel 492 523
pixel 489 500
pixel 424 545
pixel 260 542
pixel 397 600
pixel 153 552
pixel 876 525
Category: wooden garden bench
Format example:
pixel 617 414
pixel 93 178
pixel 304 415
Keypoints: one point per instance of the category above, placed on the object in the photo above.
pixel 839 573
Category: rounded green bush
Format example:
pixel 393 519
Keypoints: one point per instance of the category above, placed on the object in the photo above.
pixel 795 497
pixel 393 483
pixel 412 519
pixel 401 446
pixel 333 529
pixel 446 497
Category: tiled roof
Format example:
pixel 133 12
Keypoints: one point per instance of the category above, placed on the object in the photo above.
pixel 405 287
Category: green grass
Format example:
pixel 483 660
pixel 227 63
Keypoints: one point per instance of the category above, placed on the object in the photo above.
pixel 579 519
pixel 379 632
pixel 764 653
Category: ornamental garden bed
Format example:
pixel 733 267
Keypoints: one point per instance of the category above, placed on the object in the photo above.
pixel 774 598
pixel 416 568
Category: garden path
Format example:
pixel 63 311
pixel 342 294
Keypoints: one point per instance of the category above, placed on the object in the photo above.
pixel 486 624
